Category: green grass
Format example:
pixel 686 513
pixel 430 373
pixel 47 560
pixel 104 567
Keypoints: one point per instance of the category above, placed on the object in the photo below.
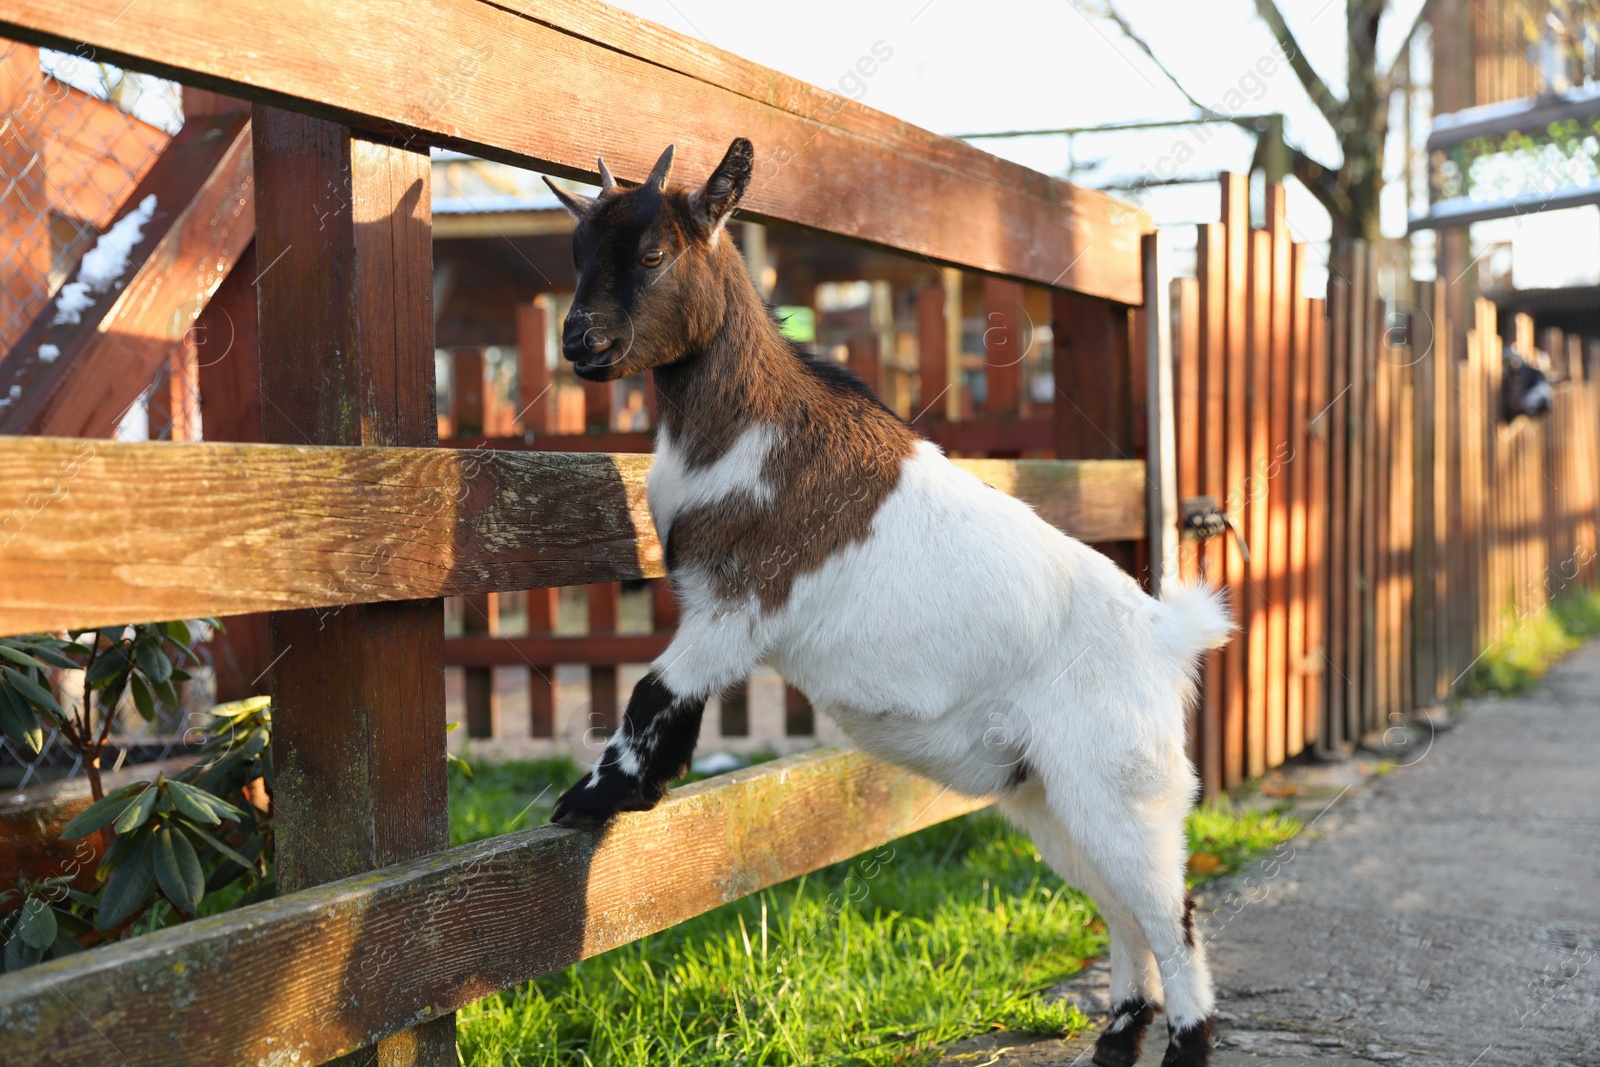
pixel 1533 644
pixel 950 932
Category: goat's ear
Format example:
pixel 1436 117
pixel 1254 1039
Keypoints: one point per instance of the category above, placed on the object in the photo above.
pixel 576 203
pixel 714 201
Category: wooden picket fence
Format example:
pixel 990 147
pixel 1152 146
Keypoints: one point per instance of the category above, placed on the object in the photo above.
pixel 1397 526
pixel 349 525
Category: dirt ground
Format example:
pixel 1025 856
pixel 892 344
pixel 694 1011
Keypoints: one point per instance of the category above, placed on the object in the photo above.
pixel 1444 912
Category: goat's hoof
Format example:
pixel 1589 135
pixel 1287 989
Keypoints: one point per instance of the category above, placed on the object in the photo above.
pixel 1189 1046
pixel 1123 1038
pixel 590 804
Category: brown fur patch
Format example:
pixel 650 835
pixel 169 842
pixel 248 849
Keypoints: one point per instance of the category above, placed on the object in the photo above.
pixel 836 459
pixel 1188 919
pixel 722 367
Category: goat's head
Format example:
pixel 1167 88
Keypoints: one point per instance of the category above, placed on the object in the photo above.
pixel 1525 387
pixel 652 278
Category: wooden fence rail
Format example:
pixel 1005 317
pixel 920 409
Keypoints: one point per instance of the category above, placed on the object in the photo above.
pixel 328 970
pixel 105 532
pixel 538 88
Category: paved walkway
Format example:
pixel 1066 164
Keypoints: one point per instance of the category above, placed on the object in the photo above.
pixel 1447 912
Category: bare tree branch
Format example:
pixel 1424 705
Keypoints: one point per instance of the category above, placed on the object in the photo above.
pixel 1109 11
pixel 1322 182
pixel 1332 107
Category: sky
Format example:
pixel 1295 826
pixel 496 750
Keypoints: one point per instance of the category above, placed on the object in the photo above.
pixel 960 67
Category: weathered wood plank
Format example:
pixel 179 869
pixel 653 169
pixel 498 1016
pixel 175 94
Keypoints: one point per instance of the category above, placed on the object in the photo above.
pixel 101 532
pixel 202 221
pixel 487 79
pixel 1094 500
pixel 330 969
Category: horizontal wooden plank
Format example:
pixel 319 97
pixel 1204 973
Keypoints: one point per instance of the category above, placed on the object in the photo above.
pixel 545 650
pixel 99 532
pixel 1094 500
pixel 554 87
pixel 330 969
pixel 980 436
pixel 103 532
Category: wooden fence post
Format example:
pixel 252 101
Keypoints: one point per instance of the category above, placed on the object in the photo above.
pixel 346 325
pixel 1161 458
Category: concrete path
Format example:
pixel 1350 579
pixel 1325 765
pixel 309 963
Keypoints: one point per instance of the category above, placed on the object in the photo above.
pixel 1447 912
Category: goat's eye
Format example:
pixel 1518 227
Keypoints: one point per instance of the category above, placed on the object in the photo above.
pixel 653 258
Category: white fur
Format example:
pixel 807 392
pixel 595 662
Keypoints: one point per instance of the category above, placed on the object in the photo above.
pixel 973 642
pixel 673 487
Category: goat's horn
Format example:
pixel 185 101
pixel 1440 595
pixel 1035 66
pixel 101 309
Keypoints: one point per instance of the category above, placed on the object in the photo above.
pixel 663 167
pixel 606 180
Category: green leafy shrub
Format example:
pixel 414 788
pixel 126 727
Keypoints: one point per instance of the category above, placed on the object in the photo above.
pixel 172 848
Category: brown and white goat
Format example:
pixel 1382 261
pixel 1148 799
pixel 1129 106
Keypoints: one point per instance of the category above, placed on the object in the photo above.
pixel 943 624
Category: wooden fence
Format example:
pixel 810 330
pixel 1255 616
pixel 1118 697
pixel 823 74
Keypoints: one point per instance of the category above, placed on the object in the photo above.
pixel 349 526
pixel 1397 525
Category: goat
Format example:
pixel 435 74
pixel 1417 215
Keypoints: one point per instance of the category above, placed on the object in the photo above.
pixel 941 623
pixel 1525 385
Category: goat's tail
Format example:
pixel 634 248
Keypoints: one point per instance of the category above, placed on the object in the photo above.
pixel 1197 620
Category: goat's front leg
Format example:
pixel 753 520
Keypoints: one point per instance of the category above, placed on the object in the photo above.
pixel 662 724
pixel 651 749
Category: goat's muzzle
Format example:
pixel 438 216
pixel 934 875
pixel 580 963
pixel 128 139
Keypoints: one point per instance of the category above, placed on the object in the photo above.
pixel 592 350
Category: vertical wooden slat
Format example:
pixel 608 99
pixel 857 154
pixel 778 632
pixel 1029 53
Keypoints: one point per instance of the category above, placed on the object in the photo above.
pixel 1278 477
pixel 1187 378
pixel 1426 566
pixel 468 415
pixel 1161 458
pixel 1236 232
pixel 1257 514
pixel 1318 430
pixel 1336 687
pixel 480 617
pixel 605 602
pixel 735 721
pixel 1380 522
pixel 866 360
pixel 1211 267
pixel 346 331
pixel 597 405
pixel 798 718
pixel 1189 432
pixel 1356 489
pixel 533 371
pixel 1299 472
pixel 1004 345
pixel 1371 324
pixel 933 359
pixel 543 605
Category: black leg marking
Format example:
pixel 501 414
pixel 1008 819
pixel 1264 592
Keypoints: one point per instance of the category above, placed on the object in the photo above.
pixel 1123 1038
pixel 1188 919
pixel 1190 1046
pixel 652 749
